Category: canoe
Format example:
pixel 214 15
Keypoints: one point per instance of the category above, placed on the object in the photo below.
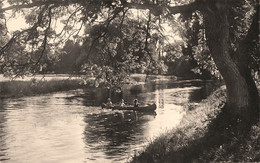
pixel 147 108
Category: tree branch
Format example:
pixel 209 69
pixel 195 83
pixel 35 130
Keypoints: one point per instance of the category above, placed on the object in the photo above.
pixel 187 8
pixel 173 10
pixel 45 36
pixel 197 5
pixel 67 21
pixel 37 4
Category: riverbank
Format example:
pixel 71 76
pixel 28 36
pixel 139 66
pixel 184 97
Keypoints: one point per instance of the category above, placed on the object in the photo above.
pixel 41 84
pixel 188 143
pixel 14 89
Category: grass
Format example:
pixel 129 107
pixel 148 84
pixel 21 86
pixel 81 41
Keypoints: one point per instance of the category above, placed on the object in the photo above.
pixel 34 87
pixel 18 88
pixel 196 140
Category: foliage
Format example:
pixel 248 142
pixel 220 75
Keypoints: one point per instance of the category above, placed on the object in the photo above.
pixel 3 36
pixel 108 39
pixel 173 52
pixel 243 12
pixel 123 47
pixel 105 76
pixel 106 19
pixel 69 58
pixel 193 32
pixel 201 54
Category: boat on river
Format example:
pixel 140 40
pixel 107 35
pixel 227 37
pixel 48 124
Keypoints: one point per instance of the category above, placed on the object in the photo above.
pixel 147 108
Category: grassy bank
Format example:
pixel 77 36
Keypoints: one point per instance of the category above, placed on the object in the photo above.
pixel 189 143
pixel 35 87
pixel 28 86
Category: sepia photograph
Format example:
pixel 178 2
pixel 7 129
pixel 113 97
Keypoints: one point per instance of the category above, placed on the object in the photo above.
pixel 129 81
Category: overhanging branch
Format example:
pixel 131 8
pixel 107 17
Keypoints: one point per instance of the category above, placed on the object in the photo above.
pixel 173 10
pixel 38 4
pixel 153 7
pixel 24 6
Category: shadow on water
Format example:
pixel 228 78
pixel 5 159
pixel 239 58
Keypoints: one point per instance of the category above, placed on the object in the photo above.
pixel 115 131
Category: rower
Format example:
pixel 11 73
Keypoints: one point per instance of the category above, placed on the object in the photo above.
pixel 109 102
pixel 122 103
pixel 136 103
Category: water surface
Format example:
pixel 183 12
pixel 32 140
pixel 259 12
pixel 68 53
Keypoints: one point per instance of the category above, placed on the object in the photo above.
pixel 71 127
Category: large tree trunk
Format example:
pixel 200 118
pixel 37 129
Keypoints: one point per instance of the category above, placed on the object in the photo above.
pixel 242 94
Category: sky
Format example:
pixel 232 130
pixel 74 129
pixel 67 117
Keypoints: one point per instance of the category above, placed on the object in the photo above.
pixel 14 23
pixel 17 23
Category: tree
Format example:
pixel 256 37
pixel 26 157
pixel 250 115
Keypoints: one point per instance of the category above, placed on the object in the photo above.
pixel 69 58
pixel 122 47
pixel 232 62
pixel 196 48
pixel 3 37
pixel 230 26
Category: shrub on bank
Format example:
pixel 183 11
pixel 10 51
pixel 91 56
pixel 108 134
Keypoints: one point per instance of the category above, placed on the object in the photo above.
pixel 185 143
pixel 34 87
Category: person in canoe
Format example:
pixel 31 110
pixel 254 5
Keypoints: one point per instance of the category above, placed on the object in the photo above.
pixel 109 102
pixel 136 103
pixel 122 103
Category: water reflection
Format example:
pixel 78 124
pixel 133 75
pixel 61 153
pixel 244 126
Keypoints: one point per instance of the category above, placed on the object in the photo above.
pixel 114 132
pixel 71 127
pixel 3 146
pixel 34 131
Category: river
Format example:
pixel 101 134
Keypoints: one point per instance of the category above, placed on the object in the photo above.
pixel 68 127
